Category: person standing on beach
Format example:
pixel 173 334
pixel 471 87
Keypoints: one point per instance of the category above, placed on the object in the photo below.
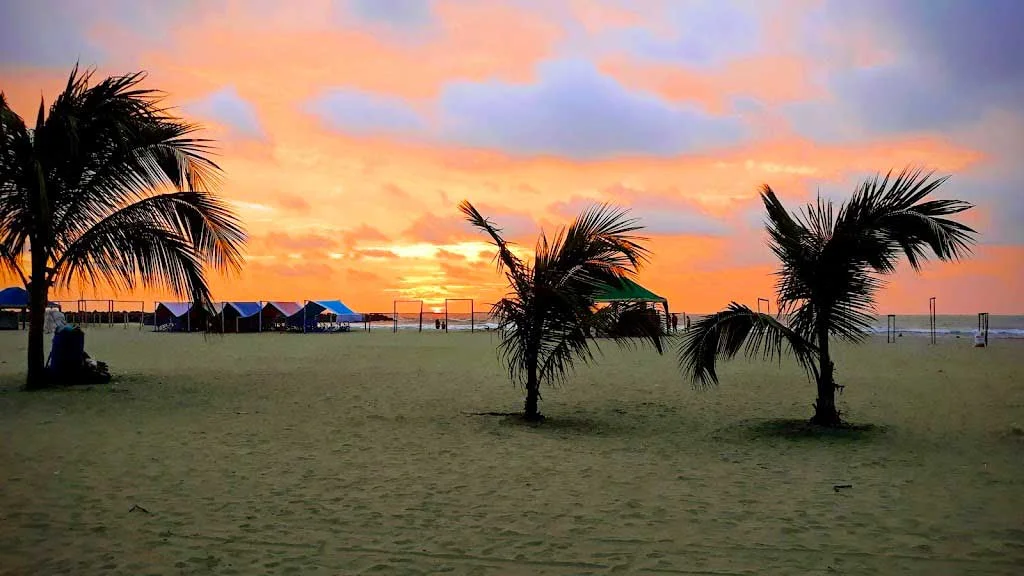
pixel 675 322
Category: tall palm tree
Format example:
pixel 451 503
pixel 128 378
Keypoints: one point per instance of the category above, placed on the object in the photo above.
pixel 109 187
pixel 549 315
pixel 832 262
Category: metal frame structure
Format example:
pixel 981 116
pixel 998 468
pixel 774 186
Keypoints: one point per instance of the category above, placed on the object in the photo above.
pixel 394 313
pixel 127 313
pixel 931 317
pixel 890 329
pixel 983 325
pixel 767 305
pixel 472 312
pixel 83 303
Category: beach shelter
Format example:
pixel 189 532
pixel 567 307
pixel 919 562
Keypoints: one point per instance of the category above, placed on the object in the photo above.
pixel 14 297
pixel 281 315
pixel 627 290
pixel 13 302
pixel 180 317
pixel 332 313
pixel 239 317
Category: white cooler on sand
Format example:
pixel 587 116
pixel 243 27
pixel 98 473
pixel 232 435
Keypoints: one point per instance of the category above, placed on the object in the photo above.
pixel 979 340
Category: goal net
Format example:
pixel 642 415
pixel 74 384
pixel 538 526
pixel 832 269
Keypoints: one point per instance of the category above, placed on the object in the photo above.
pixel 459 314
pixel 407 315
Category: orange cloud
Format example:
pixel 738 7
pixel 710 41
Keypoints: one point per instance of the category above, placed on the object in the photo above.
pixel 770 80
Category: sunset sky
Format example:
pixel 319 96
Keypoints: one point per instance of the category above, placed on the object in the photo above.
pixel 350 130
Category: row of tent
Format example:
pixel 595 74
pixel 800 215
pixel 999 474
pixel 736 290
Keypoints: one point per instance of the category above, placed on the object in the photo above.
pixel 313 316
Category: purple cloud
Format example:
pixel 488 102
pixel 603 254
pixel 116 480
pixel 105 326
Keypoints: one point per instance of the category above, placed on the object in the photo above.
pixel 577 112
pixel 955 60
pixel 397 13
pixel 706 33
pixel 57 32
pixel 227 107
pixel 573 111
pixel 358 112
pixel 662 215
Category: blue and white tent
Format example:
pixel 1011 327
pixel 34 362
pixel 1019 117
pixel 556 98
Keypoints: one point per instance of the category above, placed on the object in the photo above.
pixel 328 315
pixel 180 317
pixel 14 297
pixel 281 315
pixel 240 316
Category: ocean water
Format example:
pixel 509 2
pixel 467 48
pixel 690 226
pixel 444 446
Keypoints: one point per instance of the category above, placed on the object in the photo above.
pixel 950 325
pixel 1003 326
pixel 946 325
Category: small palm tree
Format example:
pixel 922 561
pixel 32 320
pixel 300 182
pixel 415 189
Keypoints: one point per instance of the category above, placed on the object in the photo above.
pixel 549 316
pixel 108 188
pixel 832 263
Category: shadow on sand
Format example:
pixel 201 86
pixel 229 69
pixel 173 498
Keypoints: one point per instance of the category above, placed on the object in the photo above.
pixel 577 424
pixel 790 429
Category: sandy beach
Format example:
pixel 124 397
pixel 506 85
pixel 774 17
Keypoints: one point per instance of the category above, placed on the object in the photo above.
pixel 357 453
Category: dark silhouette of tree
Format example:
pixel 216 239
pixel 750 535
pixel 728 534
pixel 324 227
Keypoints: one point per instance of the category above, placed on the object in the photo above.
pixel 109 187
pixel 549 315
pixel 832 264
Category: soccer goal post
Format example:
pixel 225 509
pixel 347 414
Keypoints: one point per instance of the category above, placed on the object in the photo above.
pixel 411 314
pixel 128 311
pixel 96 312
pixel 456 317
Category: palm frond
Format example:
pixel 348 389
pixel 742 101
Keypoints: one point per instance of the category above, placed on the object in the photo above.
pixel 887 217
pixel 16 219
pixel 735 329
pixel 163 241
pixel 111 143
pixel 507 261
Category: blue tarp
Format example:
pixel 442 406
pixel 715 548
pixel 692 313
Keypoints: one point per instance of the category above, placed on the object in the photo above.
pixel 13 297
pixel 345 314
pixel 287 309
pixel 246 309
pixel 177 309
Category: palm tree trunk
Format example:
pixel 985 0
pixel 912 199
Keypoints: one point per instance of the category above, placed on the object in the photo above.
pixel 37 296
pixel 531 411
pixel 825 413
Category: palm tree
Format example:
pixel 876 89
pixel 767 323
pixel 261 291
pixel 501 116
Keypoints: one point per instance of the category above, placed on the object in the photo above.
pixel 832 261
pixel 109 188
pixel 549 315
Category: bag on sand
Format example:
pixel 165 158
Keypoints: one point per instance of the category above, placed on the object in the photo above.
pixel 69 364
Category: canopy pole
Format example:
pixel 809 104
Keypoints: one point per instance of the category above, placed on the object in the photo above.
pixel 304 316
pixel 260 329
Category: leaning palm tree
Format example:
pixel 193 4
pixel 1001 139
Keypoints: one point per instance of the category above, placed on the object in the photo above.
pixel 549 315
pixel 110 188
pixel 832 262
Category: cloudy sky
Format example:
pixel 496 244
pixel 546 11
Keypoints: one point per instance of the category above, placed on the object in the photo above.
pixel 350 129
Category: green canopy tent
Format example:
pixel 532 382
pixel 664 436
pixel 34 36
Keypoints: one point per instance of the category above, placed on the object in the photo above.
pixel 629 291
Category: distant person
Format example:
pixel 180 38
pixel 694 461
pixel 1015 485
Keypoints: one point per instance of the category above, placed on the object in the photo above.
pixel 687 322
pixel 444 325
pixel 437 323
pixel 675 322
